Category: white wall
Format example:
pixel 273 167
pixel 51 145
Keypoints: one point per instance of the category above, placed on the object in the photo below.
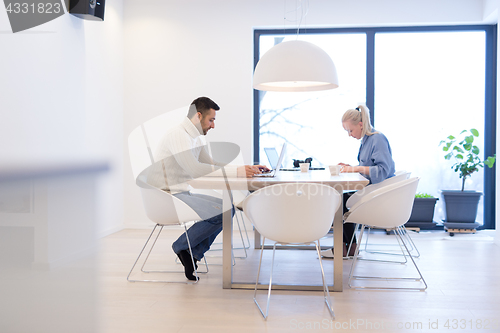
pixel 61 98
pixel 104 109
pixel 490 11
pixel 176 51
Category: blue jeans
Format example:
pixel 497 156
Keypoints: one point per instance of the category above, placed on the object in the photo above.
pixel 203 233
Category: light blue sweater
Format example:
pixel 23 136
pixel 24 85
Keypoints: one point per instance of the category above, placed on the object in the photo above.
pixel 375 152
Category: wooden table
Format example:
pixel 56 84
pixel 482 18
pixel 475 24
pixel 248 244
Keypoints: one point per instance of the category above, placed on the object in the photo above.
pixel 342 182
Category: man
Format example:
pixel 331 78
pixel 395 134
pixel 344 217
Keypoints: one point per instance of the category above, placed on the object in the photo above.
pixel 181 156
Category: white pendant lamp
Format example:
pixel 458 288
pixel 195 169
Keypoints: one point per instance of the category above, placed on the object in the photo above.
pixel 295 66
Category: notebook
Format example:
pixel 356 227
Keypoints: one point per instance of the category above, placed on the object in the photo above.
pixel 272 156
pixel 275 165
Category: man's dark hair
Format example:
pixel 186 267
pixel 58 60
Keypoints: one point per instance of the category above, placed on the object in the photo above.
pixel 202 105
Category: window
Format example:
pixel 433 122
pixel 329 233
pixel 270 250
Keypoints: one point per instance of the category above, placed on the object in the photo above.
pixel 308 120
pixel 430 85
pixel 421 85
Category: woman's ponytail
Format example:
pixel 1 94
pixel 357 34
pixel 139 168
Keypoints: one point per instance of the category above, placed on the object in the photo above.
pixel 361 113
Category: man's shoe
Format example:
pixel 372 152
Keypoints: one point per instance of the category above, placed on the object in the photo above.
pixel 328 254
pixel 187 262
pixel 352 250
pixel 182 262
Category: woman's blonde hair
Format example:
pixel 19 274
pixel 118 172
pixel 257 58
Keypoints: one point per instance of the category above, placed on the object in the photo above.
pixel 361 113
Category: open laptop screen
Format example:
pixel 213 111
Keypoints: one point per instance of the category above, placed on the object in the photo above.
pixel 272 157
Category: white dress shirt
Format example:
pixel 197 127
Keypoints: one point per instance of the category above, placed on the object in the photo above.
pixel 183 155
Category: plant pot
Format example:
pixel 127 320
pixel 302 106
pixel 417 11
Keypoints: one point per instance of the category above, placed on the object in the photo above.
pixel 461 206
pixel 422 213
pixel 423 210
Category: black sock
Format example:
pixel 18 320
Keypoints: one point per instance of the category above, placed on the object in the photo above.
pixel 185 258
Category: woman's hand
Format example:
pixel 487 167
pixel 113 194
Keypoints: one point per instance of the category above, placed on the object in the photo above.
pixel 349 168
pixel 361 169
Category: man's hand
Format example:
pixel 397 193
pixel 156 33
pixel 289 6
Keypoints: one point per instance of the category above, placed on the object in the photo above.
pixel 249 170
pixel 262 168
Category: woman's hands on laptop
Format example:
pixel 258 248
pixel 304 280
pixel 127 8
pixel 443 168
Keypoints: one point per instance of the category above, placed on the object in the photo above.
pixel 249 170
pixel 356 168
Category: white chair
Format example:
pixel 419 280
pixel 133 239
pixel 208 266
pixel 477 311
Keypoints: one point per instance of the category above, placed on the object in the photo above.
pixel 388 207
pixel 292 214
pixel 144 140
pixel 163 209
pixel 399 176
pixel 238 198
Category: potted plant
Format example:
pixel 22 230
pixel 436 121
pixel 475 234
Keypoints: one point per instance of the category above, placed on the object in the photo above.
pixel 422 214
pixel 461 206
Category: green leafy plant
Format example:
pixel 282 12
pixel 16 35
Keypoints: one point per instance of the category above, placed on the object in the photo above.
pixel 423 195
pixel 465 154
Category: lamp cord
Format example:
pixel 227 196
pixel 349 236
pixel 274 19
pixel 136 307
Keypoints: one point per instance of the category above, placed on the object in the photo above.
pixel 303 6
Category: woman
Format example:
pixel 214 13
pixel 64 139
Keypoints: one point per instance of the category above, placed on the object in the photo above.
pixel 374 157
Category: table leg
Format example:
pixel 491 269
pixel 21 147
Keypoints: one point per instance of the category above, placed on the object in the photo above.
pixel 257 241
pixel 227 241
pixel 338 239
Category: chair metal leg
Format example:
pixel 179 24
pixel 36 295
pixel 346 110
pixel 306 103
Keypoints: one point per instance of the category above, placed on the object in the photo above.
pixel 140 253
pixel 257 283
pixel 213 250
pixel 244 248
pixel 326 292
pixel 352 240
pixel 147 257
pixel 176 258
pixel 399 234
pixel 151 249
pixel 389 253
pixel 356 253
pixel 384 252
pixel 415 264
pixel 244 228
pixel 270 281
pixel 367 242
pixel 191 253
pixel 367 237
pixel 411 244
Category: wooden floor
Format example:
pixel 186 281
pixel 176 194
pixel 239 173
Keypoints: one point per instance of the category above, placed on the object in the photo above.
pixel 462 272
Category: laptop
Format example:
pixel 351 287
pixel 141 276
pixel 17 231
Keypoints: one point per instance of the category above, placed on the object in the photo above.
pixel 272 156
pixel 275 165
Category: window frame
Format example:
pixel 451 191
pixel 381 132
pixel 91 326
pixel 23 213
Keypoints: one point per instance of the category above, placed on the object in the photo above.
pixel 490 88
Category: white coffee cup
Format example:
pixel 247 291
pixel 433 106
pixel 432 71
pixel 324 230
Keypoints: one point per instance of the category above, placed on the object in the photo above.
pixel 304 167
pixel 335 169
